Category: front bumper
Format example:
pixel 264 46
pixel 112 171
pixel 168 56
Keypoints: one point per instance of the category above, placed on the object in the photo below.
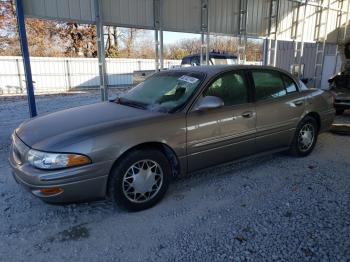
pixel 78 184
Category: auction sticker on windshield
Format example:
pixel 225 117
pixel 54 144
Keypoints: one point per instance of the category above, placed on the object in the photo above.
pixel 188 79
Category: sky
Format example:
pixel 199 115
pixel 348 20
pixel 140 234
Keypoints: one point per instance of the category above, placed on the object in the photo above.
pixel 173 37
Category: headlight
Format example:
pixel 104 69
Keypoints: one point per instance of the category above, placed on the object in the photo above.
pixel 45 160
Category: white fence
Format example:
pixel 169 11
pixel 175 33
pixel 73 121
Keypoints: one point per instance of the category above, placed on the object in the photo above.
pixel 56 74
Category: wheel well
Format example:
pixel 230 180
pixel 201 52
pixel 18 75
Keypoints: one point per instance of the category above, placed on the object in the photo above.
pixel 316 116
pixel 165 149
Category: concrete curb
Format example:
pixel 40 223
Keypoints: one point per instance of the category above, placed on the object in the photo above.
pixel 342 129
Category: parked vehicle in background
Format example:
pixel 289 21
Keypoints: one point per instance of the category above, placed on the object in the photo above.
pixel 215 58
pixel 175 122
pixel 340 86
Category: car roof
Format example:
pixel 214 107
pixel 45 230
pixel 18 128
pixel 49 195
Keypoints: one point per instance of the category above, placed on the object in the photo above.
pixel 212 70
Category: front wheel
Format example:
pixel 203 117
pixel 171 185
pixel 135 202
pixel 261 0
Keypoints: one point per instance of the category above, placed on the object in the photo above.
pixel 139 180
pixel 305 137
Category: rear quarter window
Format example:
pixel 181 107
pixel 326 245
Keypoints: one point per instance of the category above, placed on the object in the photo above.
pixel 290 86
pixel 268 84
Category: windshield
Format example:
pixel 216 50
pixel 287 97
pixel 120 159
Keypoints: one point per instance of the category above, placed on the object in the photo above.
pixel 165 91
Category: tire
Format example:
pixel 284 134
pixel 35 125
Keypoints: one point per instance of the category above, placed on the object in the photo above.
pixel 339 112
pixel 301 145
pixel 129 189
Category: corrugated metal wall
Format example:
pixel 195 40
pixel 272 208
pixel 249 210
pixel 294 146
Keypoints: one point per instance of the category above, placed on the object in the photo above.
pixel 181 15
pixel 285 56
pixel 76 10
pixel 134 13
pixel 224 17
pixel 286 19
pixel 185 15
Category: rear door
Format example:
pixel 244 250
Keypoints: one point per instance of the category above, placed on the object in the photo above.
pixel 279 107
pixel 222 134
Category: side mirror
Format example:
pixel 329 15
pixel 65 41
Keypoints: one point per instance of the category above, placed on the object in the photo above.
pixel 209 102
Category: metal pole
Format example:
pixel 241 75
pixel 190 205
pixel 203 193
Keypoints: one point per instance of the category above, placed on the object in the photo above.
pixel 208 46
pixel 160 23
pixel 204 32
pixel 25 54
pixel 156 50
pixel 157 27
pixel 268 55
pixel 161 51
pixel 344 33
pixel 302 40
pixel 265 51
pixel 101 51
pixel 202 47
pixel 69 83
pixel 19 76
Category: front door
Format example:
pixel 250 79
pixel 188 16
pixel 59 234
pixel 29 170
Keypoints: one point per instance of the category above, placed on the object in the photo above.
pixel 222 134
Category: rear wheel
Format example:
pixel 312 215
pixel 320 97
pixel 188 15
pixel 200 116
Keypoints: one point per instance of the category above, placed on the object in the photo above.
pixel 305 137
pixel 140 180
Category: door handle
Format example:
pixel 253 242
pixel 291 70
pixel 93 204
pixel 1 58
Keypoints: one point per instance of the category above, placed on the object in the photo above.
pixel 248 114
pixel 298 103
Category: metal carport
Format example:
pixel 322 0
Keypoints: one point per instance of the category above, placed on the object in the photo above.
pixel 325 21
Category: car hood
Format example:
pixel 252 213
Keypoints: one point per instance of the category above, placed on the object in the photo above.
pixel 76 124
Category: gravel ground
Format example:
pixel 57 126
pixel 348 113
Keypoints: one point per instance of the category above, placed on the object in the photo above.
pixel 273 208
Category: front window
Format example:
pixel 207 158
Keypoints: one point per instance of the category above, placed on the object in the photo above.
pixel 166 91
pixel 231 88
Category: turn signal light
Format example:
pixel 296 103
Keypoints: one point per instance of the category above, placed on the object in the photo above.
pixel 51 191
pixel 78 160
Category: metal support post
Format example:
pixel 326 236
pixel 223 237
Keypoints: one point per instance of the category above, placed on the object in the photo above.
pixel 158 35
pixel 161 49
pixel 207 48
pixel 340 39
pixel 69 82
pixel 101 51
pixel 156 50
pixel 320 38
pixel 242 42
pixel 202 49
pixel 272 33
pixel 265 52
pixel 20 83
pixel 301 54
pixel 297 37
pixel 25 54
pixel 204 34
